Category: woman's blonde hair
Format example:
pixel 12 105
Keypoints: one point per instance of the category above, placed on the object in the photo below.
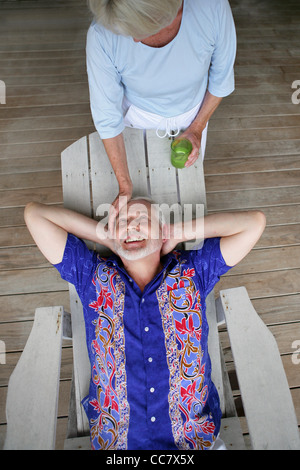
pixel 135 18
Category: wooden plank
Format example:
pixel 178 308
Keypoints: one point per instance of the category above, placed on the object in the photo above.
pixel 13 216
pixel 266 179
pixel 31 149
pixel 219 166
pixel 43 63
pixel 15 236
pixel 256 149
pixel 162 175
pixel 247 199
pixel 43 135
pixel 269 259
pixel 46 122
pixel 75 176
pixel 102 174
pixel 276 310
pixel 21 307
pixel 44 111
pixel 270 284
pixel 20 197
pixel 136 158
pixel 14 56
pixel 284 335
pixel 49 100
pixel 20 258
pixel 30 281
pixel 261 376
pixel 255 135
pixel 26 180
pixel 260 122
pixel 20 165
pixel 255 109
pixel 77 196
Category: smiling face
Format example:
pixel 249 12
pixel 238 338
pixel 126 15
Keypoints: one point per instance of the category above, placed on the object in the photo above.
pixel 138 231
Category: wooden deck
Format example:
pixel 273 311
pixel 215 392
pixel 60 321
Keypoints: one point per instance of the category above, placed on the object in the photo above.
pixel 252 161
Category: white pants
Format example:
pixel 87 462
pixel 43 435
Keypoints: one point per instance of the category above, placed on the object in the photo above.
pixel 140 119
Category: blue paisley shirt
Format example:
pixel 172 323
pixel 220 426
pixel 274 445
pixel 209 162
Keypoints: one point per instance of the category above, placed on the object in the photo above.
pixel 151 382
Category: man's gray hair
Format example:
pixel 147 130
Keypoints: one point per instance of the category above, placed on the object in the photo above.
pixel 135 18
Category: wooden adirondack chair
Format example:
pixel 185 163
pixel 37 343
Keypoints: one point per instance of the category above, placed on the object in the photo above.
pixel 88 180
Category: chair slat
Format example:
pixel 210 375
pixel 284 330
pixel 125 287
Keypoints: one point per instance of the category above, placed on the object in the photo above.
pixel 77 196
pixel 162 175
pixel 75 177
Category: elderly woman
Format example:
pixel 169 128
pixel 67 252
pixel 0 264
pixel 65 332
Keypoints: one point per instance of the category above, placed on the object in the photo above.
pixel 162 64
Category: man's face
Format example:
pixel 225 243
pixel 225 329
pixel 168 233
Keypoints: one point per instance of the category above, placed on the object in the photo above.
pixel 138 232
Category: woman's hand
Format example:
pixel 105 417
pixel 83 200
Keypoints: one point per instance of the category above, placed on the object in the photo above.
pixel 194 136
pixel 120 201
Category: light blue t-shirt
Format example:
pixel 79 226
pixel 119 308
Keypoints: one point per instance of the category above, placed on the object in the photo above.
pixel 168 80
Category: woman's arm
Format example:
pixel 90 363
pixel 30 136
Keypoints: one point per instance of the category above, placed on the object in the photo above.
pixel 239 232
pixel 50 225
pixel 115 149
pixel 194 131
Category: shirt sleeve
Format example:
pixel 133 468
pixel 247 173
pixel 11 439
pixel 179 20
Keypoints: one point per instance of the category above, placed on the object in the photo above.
pixel 77 265
pixel 209 264
pixel 221 73
pixel 105 87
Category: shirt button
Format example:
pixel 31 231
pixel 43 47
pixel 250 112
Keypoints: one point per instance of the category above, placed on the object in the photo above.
pixel 150 359
pixel 143 300
pixel 146 328
pixel 152 389
pixel 153 419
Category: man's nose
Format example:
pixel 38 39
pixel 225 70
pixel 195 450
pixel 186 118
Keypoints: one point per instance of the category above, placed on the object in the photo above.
pixel 135 226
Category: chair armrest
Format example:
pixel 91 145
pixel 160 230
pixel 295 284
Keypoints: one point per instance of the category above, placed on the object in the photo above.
pixel 266 397
pixel 33 387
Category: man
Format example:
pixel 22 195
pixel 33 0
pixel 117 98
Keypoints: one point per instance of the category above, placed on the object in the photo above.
pixel 146 327
pixel 158 64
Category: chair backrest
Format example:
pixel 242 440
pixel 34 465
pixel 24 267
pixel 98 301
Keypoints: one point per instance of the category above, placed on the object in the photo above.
pixel 89 180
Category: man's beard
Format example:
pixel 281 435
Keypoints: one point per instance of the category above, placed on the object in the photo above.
pixel 133 255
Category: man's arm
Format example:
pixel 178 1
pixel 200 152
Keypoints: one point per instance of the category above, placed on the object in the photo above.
pixel 50 225
pixel 239 232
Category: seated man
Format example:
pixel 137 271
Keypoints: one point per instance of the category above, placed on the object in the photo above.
pixel 146 326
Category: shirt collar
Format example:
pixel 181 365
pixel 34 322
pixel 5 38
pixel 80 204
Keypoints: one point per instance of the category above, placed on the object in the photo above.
pixel 169 261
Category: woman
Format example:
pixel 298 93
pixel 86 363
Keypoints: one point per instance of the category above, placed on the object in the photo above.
pixel 162 64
